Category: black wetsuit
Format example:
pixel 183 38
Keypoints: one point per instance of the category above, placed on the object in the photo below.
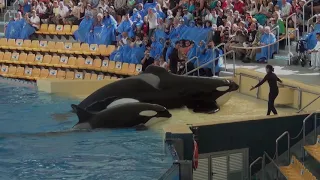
pixel 274 90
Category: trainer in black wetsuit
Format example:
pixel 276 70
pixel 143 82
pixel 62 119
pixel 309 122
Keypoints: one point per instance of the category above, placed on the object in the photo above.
pixel 274 90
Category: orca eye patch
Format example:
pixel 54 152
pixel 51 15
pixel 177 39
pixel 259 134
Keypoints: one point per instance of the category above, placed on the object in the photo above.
pixel 222 88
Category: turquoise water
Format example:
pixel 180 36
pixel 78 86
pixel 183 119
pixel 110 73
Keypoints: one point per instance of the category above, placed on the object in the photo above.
pixel 102 154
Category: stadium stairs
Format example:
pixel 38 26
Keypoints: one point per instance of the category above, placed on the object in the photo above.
pixel 304 160
pixel 53 53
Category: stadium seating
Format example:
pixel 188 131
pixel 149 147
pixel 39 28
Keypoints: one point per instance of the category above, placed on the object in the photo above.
pixel 53 29
pixel 56 47
pixel 314 150
pixel 296 170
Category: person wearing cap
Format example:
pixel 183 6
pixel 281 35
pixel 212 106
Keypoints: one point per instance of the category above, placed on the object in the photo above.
pixel 315 54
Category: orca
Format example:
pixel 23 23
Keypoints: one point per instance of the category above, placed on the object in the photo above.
pixel 157 86
pixel 120 113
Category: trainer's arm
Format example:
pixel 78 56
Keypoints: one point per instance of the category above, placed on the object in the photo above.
pixel 260 83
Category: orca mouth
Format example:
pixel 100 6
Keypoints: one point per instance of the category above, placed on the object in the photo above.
pixel 165 114
pixel 234 86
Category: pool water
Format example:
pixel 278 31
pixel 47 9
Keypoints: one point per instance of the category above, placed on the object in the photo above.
pixel 28 152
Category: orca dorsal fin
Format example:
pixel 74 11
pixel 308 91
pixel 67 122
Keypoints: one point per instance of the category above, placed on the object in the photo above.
pixel 155 70
pixel 82 114
pixel 98 106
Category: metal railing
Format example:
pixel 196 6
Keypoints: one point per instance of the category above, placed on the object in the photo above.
pixel 265 154
pixel 190 60
pixel 253 163
pixel 295 27
pixel 278 35
pixel 308 104
pixel 277 146
pixel 304 132
pixel 296 31
pixel 15 5
pixel 308 22
pixel 213 61
pixel 303 11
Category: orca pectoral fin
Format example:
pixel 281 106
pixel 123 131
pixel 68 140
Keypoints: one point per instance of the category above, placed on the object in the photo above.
pixel 141 127
pixel 101 105
pixel 206 107
pixel 82 114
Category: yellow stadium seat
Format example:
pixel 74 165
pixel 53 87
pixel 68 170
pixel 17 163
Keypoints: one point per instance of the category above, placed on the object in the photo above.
pixel 54 61
pixel 88 63
pixel 63 62
pixel 94 76
pixel 1 56
pixel 117 67
pixel 11 71
pixel 51 47
pixel 71 62
pixel 110 49
pixel 44 73
pixel 35 74
pixel 104 65
pixel 22 58
pixel 26 45
pixel 131 69
pixel 87 76
pixel 52 29
pixel 80 62
pixel 38 59
pixel 30 59
pixel 19 73
pixel 7 57
pixel 78 75
pixel 27 73
pixel 43 29
pixel 103 50
pixel 19 44
pixel 52 73
pixel 73 29
pixel 43 45
pixel 96 64
pixel 112 66
pixel 34 46
pixel 124 69
pixel 66 49
pixel 76 48
pixel 59 29
pixel 70 75
pixel 94 49
pixel 11 44
pixel 85 49
pixel 4 69
pixel 46 59
pixel 66 30
pixel 14 58
pixel 61 74
pixel 58 46
pixel 3 42
pixel 138 69
pixel 101 77
pixel 114 77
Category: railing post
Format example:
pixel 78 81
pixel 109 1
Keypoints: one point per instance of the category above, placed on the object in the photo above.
pixel 315 127
pixel 303 11
pixel 277 146
pixel 304 135
pixel 308 23
pixel 250 167
pixel 234 63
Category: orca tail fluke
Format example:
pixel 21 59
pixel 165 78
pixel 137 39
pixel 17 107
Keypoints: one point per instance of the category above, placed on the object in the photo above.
pixel 82 114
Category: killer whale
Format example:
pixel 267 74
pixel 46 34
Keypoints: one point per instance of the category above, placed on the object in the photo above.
pixel 157 86
pixel 120 113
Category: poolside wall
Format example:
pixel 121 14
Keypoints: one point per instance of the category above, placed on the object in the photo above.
pixel 293 94
pixel 258 135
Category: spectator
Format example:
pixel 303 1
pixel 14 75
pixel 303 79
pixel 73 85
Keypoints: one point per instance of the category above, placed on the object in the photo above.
pixel 152 20
pixel 174 59
pixel 35 20
pixel 147 60
pixel 74 16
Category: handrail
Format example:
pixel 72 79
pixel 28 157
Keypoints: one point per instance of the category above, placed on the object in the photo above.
pixel 304 131
pixel 278 35
pixel 15 5
pixel 277 146
pixel 303 12
pixel 308 22
pixel 295 26
pixel 224 51
pixel 254 162
pixel 309 104
pixel 212 61
pixel 296 31
pixel 4 20
pixel 265 154
pixel 186 63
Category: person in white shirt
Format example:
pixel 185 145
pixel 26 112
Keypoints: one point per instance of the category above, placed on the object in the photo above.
pixel 152 20
pixel 286 9
pixel 35 20
pixel 41 9
pixel 315 55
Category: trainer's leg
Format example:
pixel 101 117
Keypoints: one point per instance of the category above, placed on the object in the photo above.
pixel 317 61
pixel 272 97
pixel 313 61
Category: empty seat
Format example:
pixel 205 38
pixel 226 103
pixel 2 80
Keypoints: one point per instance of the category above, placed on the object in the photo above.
pixel 11 44
pixel 104 65
pixel 118 67
pixel 85 49
pixel 52 73
pixel 131 69
pixel 78 75
pixel 6 57
pixel 71 62
pixel 14 58
pixel 87 76
pixel 88 63
pixel 63 62
pixel 114 77
pixel 73 29
pixel 66 30
pixel 19 73
pixel 51 29
pixel 27 73
pixel 11 71
pixel 38 59
pixel 101 77
pixel 4 69
pixel 296 170
pixel 19 43
pixel 138 69
pixel 30 59
pixel 66 49
pixel 76 48
pixel 110 49
pixel 111 66
pixel 43 29
pixel 59 29
pixel 58 46
pixel 44 73
pixel 107 77
pixel 96 64
pixel 46 59
pixel 43 45
pixel 1 56
pixel 103 50
pixel 35 46
pixel 35 73
pixel 22 58
pixel 54 61
pixel 3 42
pixel 314 150
pixel 94 76
pixel 51 47
pixel 61 74
pixel 94 49
pixel 124 69
pixel 80 62
pixel 70 75
pixel 26 45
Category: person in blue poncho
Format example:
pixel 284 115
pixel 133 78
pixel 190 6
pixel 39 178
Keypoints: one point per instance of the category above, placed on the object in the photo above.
pixel 160 14
pixel 84 28
pixel 156 49
pixel 311 37
pixel 266 52
pixel 12 29
pixel 111 25
pixel 27 30
pixel 206 54
pixel 100 33
pixel 191 55
pixel 125 25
